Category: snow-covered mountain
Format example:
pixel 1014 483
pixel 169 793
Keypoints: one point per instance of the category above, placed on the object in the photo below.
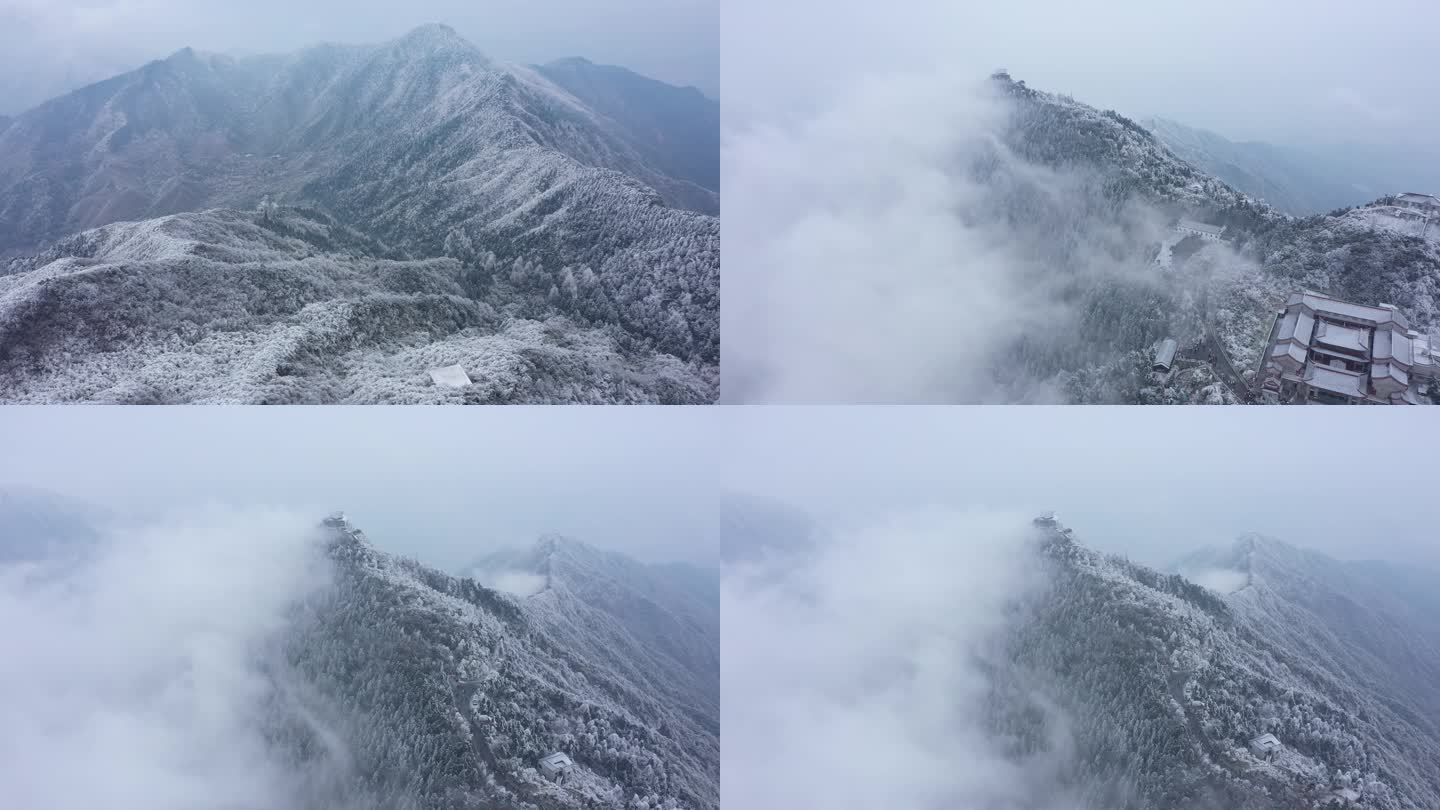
pixel 1123 280
pixel 1094 683
pixel 1165 682
pixel 444 693
pixel 676 129
pixel 1291 180
pixel 660 624
pixel 560 217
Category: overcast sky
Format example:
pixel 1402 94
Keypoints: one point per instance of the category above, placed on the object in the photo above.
pixel 1154 483
pixel 443 485
pixel 48 47
pixel 1289 71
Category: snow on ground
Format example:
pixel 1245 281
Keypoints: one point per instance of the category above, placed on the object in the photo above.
pixel 525 361
pixel 1393 219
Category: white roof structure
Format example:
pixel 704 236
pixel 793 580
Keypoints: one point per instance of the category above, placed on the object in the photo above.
pixel 1165 353
pixel 450 376
pixel 1327 305
pixel 1342 337
pixel 1336 381
pixel 1422 199
pixel 1200 227
pixel 1265 744
pixel 556 763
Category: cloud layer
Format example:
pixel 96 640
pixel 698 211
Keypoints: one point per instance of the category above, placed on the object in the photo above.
pixel 134 679
pixel 859 678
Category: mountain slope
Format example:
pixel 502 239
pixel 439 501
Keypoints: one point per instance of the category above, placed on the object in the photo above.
pixel 289 306
pixel 1373 623
pixel 659 624
pixel 1291 180
pixel 1163 682
pixel 446 694
pixel 676 129
pixel 419 149
pixel 1096 235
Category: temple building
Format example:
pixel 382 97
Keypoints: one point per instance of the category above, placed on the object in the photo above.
pixel 1192 228
pixel 1326 350
pixel 1420 202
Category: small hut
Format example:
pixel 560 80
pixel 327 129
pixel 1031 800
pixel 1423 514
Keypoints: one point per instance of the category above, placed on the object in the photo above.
pixel 450 376
pixel 555 765
pixel 1164 356
pixel 1265 747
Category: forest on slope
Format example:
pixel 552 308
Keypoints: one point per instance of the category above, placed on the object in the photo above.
pixel 600 268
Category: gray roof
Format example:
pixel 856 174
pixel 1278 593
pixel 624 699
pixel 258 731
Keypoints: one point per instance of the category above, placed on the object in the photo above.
pixel 1390 370
pixel 1324 304
pixel 1335 381
pixel 1342 337
pixel 1165 352
pixel 1412 196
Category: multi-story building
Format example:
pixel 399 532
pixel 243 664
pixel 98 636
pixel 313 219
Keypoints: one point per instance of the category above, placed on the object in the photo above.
pixel 1326 350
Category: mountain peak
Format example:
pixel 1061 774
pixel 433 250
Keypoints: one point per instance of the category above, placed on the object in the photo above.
pixel 435 36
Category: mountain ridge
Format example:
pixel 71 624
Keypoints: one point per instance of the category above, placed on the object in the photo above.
pixel 449 693
pixel 421 149
pixel 1206 673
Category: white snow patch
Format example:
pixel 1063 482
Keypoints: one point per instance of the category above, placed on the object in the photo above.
pixel 450 376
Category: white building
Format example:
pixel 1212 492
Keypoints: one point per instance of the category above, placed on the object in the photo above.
pixel 450 376
pixel 1265 746
pixel 1421 202
pixel 1164 355
pixel 1326 350
pixel 555 765
pixel 1192 228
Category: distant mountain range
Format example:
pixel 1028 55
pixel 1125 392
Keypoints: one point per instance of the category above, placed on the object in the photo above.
pixel 1291 180
pixel 574 203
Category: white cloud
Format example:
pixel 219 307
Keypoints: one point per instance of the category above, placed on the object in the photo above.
pixel 890 248
pixel 516 583
pixel 134 680
pixel 858 679
pixel 1220 580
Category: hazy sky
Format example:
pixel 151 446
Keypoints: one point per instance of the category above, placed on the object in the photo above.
pixel 48 47
pixel 1291 71
pixel 443 485
pixel 1150 482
